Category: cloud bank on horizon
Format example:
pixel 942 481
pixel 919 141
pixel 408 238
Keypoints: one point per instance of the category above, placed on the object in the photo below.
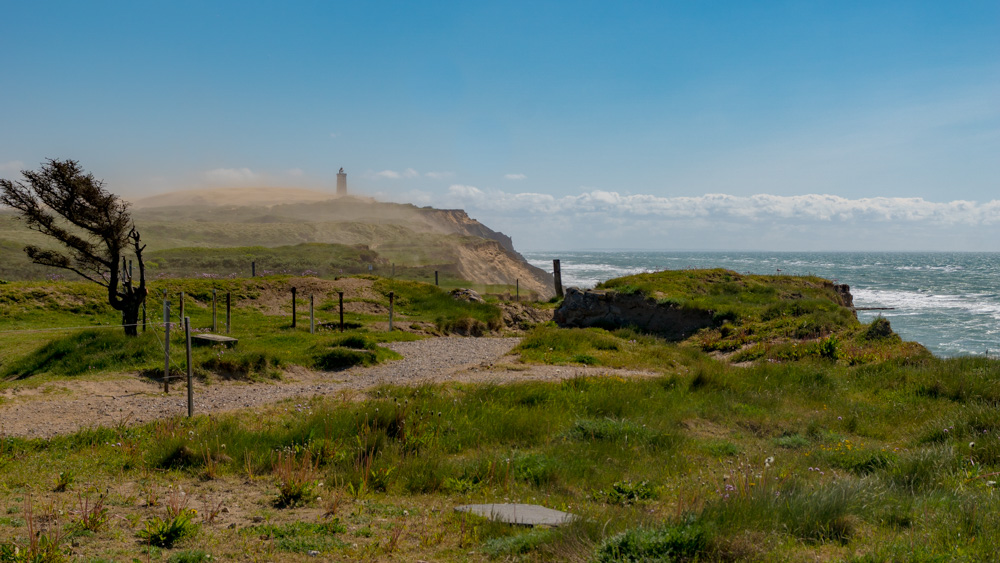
pixel 597 219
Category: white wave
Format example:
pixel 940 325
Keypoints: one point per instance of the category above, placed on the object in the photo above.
pixel 914 302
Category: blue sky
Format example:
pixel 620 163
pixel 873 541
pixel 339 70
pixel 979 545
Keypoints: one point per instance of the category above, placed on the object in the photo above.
pixel 664 125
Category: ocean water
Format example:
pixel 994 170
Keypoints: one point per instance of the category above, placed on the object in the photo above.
pixel 949 302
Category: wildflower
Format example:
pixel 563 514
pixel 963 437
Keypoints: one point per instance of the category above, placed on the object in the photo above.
pixel 768 461
pixel 840 418
pixel 972 444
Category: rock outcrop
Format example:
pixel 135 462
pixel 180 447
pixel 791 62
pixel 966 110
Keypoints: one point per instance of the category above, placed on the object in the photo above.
pixel 844 291
pixel 610 309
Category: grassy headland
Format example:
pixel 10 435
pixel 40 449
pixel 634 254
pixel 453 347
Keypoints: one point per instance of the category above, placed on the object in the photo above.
pixel 856 447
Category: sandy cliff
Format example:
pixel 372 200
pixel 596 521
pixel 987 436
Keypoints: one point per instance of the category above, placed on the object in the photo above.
pixel 403 234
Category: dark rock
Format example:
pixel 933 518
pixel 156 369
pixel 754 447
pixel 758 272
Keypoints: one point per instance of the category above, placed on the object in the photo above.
pixel 844 291
pixel 468 295
pixel 610 309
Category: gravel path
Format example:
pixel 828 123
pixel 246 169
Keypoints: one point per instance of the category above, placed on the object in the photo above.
pixel 65 407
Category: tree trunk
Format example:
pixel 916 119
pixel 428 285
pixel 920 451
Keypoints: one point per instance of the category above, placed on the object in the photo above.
pixel 130 317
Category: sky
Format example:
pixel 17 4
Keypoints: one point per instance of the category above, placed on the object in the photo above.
pixel 698 125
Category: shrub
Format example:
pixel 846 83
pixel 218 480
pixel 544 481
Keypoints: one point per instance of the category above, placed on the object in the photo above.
pixel 626 492
pixel 164 533
pixel 294 480
pixel 343 358
pixel 520 544
pixel 238 365
pixel 878 329
pixel 828 348
pixel 685 542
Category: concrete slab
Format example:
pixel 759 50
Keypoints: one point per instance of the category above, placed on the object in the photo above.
pixel 212 340
pixel 523 514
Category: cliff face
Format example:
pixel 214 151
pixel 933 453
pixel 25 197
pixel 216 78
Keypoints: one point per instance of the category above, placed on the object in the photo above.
pixel 403 234
pixel 458 221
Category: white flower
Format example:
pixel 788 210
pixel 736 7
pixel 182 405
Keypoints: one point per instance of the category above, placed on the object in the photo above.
pixel 972 444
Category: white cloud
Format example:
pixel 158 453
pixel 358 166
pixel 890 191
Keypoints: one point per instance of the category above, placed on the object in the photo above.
pixel 755 208
pixel 472 193
pixel 296 172
pixel 11 166
pixel 233 176
pixel 514 176
pixel 334 135
pixel 393 175
pixel 439 175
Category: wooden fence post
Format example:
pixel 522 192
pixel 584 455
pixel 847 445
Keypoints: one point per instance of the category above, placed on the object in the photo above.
pixel 215 317
pixel 435 277
pixel 166 346
pixel 392 298
pixel 557 274
pixel 180 315
pixel 341 297
pixel 312 314
pixel 253 269
pixel 293 307
pixel 229 311
pixel 190 370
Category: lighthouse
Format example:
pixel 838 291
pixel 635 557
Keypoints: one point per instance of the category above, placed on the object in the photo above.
pixel 341 182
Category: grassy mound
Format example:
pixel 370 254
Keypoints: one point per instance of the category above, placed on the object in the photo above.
pixel 421 301
pixel 774 317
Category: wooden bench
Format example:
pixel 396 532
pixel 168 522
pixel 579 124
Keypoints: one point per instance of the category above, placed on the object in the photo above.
pixel 212 340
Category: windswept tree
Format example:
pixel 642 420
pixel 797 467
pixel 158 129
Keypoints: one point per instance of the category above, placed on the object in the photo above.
pixel 61 201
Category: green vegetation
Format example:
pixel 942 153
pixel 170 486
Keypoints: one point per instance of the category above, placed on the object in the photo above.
pixel 783 318
pixel 314 259
pixel 828 458
pixel 261 320
pixel 420 301
pixel 846 445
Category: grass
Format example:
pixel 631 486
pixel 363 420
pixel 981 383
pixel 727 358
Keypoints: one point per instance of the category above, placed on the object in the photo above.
pixel 811 455
pixel 633 453
pixel 267 345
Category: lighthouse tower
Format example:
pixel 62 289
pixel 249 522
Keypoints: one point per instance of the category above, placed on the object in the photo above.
pixel 341 182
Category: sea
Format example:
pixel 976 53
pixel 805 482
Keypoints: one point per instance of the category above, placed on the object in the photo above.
pixel 949 302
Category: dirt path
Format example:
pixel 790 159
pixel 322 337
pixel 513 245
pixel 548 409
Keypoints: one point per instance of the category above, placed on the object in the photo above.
pixel 65 407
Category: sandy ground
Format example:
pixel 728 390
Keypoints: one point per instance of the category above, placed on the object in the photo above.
pixel 68 406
